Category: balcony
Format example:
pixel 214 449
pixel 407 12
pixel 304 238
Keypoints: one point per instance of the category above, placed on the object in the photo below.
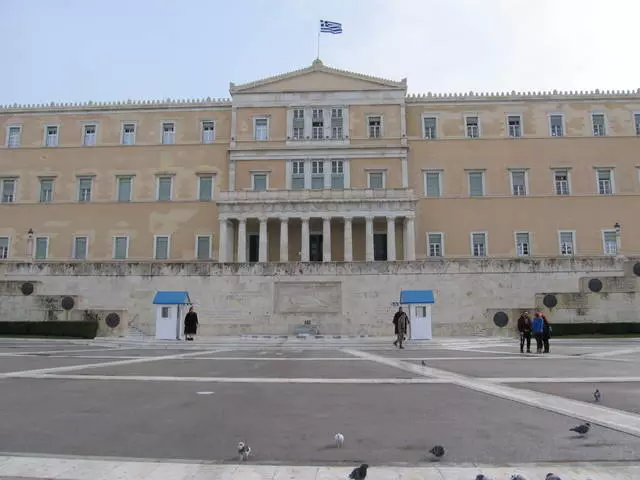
pixel 352 194
pixel 317 142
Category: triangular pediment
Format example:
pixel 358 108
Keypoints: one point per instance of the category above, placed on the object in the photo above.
pixel 318 78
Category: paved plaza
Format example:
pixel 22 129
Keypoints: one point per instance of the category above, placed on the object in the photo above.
pixel 117 409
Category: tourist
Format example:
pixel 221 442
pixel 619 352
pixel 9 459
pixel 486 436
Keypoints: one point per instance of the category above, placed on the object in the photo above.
pixel 546 333
pixel 190 324
pixel 400 323
pixel 524 327
pixel 537 326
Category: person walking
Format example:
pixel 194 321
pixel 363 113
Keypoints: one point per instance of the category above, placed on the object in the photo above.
pixel 524 327
pixel 190 324
pixel 537 327
pixel 546 333
pixel 400 323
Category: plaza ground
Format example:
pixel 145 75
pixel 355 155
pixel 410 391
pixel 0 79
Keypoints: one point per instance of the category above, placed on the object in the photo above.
pixel 176 410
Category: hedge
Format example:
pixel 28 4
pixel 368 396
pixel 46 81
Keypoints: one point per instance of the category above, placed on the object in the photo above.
pixel 560 329
pixel 83 329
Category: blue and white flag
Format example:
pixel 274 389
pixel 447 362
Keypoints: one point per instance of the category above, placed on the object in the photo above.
pixel 330 27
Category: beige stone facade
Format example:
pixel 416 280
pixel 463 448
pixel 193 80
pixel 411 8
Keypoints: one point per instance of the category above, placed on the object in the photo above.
pixel 321 165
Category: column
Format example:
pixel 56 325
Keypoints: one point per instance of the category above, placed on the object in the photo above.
pixel 391 239
pixel 304 240
pixel 242 240
pixel 262 249
pixel 326 239
pixel 348 239
pixel 369 239
pixel 284 239
pixel 410 240
pixel 222 237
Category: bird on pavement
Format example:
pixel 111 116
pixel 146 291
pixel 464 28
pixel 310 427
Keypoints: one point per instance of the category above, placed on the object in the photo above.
pixel 482 476
pixel 596 395
pixel 244 450
pixel 338 439
pixel 438 451
pixel 424 364
pixel 582 430
pixel 552 476
pixel 517 476
pixel 359 473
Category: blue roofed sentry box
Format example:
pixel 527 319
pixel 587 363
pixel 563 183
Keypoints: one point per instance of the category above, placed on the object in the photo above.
pixel 172 298
pixel 416 296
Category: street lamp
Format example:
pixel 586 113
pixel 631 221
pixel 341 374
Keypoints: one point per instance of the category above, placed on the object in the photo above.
pixel 30 234
pixel 617 228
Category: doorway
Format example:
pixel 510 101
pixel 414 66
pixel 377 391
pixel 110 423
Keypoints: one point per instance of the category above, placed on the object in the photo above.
pixel 379 246
pixel 254 247
pixel 315 247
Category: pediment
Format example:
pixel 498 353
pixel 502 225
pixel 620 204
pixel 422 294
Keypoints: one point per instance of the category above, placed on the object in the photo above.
pixel 318 78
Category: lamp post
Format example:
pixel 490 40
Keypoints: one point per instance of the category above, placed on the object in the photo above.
pixel 617 229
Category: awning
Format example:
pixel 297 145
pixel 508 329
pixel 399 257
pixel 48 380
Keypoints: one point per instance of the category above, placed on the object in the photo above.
pixel 408 297
pixel 172 298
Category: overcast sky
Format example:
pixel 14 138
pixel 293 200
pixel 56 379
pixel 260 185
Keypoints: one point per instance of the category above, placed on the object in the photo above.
pixel 78 50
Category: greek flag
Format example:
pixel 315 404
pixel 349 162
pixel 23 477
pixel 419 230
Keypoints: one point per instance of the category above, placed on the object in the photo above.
pixel 330 27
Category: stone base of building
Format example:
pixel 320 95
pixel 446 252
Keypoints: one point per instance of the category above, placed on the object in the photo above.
pixel 473 296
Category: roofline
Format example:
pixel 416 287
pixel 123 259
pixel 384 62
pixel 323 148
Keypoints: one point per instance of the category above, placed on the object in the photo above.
pixel 569 95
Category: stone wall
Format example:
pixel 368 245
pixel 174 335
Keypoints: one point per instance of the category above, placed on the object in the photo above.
pixel 342 298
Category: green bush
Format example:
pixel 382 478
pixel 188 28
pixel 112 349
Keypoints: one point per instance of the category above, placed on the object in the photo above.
pixel 561 329
pixel 84 329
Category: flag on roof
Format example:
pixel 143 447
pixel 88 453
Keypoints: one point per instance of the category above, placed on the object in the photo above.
pixel 330 27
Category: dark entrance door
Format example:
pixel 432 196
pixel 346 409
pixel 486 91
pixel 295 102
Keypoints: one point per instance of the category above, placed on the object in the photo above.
pixel 379 246
pixel 315 247
pixel 254 248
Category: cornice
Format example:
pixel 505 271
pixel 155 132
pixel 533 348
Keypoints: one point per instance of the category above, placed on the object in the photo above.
pixel 555 95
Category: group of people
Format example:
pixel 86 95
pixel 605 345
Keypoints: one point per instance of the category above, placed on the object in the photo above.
pixel 539 327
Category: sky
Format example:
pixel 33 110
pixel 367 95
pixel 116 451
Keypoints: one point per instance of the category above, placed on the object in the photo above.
pixel 78 50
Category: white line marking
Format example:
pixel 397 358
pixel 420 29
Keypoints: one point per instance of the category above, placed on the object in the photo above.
pixel 206 393
pixel 53 352
pixel 612 353
pixel 561 380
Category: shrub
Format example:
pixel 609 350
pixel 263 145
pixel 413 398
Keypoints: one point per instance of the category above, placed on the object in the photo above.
pixel 84 329
pixel 560 329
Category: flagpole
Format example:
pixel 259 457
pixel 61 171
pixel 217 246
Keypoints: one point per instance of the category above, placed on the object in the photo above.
pixel 318 57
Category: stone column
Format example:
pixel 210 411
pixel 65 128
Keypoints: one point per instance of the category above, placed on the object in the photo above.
pixel 391 239
pixel 242 240
pixel 348 239
pixel 284 239
pixel 326 239
pixel 222 237
pixel 304 240
pixel 369 239
pixel 264 245
pixel 410 240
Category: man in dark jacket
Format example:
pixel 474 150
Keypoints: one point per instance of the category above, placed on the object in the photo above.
pixel 546 333
pixel 400 324
pixel 524 327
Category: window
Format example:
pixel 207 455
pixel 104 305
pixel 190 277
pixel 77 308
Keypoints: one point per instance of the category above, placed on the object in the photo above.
pixel 203 247
pixel 4 248
pixel 317 174
pixel 298 124
pixel 51 136
pixel 165 188
pixel 556 128
pixel 261 129
pixel 472 127
pixel 129 134
pixel 80 247
pixel 208 132
pixel 120 248
pixel 205 188
pixel 46 190
pixel 476 184
pixel 599 124
pixel 8 190
pixel 376 180
pixel 479 244
pixel 42 248
pixel 164 312
pixel 375 127
pixel 337 124
pixel 317 124
pixel 125 185
pixel 168 133
pixel 523 244
pixel 84 189
pixel 161 247
pixel 636 120
pixel 259 181
pixel 518 183
pixel 515 126
pixel 433 184
pixel 605 181
pixel 561 183
pixel 13 136
pixel 435 245
pixel 337 174
pixel 610 242
pixel 297 175
pixel 429 126
pixel 567 242
pixel 89 135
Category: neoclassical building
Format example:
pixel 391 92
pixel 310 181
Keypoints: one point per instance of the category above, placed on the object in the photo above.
pixel 322 165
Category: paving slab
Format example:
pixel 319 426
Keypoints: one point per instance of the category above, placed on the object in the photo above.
pixel 435 352
pixel 282 353
pixel 142 352
pixel 19 364
pixel 253 368
pixel 384 424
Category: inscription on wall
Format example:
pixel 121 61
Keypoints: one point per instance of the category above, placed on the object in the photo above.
pixel 308 297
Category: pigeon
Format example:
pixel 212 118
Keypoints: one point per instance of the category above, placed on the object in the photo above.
pixel 517 476
pixel 597 395
pixel 552 476
pixel 339 439
pixel 424 364
pixel 359 473
pixel 438 451
pixel 482 476
pixel 581 429
pixel 244 450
